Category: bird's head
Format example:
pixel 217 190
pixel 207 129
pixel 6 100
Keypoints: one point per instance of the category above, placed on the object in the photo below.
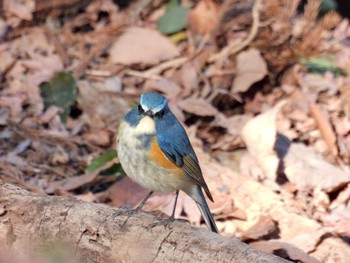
pixel 152 105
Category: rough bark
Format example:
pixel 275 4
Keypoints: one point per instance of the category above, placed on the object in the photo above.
pixel 95 232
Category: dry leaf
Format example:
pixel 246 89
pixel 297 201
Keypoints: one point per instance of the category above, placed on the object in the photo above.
pixel 234 124
pixel 70 183
pixel 332 250
pixel 192 211
pixel 41 68
pixel 50 114
pixel 342 198
pixel 339 220
pixel 142 46
pixel 189 77
pixel 307 241
pixel 98 137
pixel 204 17
pixel 318 83
pixel 126 193
pixel 251 67
pixel 169 88
pixel 307 170
pixel 197 106
pixel 263 227
pixel 22 9
pixel 277 247
pixel 59 156
pixel 259 134
pixel 97 105
pixel 6 57
pixel 255 105
pixel 164 203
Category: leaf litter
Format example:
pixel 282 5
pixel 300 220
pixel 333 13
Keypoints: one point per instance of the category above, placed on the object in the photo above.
pixel 261 87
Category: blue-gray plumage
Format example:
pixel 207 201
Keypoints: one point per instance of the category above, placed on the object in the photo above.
pixel 155 151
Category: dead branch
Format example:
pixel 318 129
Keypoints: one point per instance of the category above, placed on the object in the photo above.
pixel 95 234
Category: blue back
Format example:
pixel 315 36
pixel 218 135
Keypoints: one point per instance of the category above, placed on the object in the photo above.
pixel 172 138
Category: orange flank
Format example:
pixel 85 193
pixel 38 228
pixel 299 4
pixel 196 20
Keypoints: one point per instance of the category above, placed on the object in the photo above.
pixel 157 155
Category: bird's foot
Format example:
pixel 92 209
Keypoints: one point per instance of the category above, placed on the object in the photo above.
pixel 128 213
pixel 166 223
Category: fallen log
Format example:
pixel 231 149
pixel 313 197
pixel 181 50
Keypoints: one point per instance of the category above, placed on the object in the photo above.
pixel 97 233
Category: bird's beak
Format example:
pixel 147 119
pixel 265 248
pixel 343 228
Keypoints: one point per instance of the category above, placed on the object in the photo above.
pixel 149 114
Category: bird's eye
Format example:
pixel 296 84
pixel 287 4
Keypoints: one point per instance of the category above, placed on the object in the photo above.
pixel 160 113
pixel 141 111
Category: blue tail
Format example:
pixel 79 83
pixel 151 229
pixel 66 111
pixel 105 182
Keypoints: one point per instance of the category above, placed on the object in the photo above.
pixel 205 211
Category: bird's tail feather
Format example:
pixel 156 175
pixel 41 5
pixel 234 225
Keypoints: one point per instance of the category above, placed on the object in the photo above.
pixel 208 217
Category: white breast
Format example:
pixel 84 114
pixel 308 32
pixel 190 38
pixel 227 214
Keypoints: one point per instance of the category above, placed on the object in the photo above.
pixel 130 135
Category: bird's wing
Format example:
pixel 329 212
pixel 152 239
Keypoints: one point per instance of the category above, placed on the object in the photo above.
pixel 174 143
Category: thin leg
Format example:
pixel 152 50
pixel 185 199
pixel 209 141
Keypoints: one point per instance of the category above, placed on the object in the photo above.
pixel 171 219
pixel 173 213
pixel 139 207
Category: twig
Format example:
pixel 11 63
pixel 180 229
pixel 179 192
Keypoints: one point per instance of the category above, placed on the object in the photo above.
pixel 153 73
pixel 325 128
pixel 234 47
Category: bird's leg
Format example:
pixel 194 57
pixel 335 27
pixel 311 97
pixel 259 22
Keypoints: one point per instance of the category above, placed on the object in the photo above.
pixel 171 219
pixel 138 208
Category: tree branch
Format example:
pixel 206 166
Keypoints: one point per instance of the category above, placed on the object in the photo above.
pixel 95 235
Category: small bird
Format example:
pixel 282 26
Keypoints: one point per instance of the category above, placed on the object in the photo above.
pixel 155 152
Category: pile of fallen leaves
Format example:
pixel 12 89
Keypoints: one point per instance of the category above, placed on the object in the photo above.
pixel 262 88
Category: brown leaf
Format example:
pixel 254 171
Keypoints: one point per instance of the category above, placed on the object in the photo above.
pixel 42 68
pixel 71 183
pixel 332 250
pixel 142 46
pixel 169 88
pixel 22 9
pixel 251 67
pixel 308 241
pixel 259 134
pixel 255 105
pixel 189 77
pixel 223 207
pixel 164 203
pixel 234 124
pixel 197 106
pixel 126 193
pixel 277 247
pixel 342 198
pixel 339 220
pixel 204 17
pixel 50 114
pixel 307 170
pixel 191 210
pixel 98 137
pixel 101 109
pixel 59 156
pixel 263 227
pixel 318 83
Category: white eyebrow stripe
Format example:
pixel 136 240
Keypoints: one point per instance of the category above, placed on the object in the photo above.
pixel 144 107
